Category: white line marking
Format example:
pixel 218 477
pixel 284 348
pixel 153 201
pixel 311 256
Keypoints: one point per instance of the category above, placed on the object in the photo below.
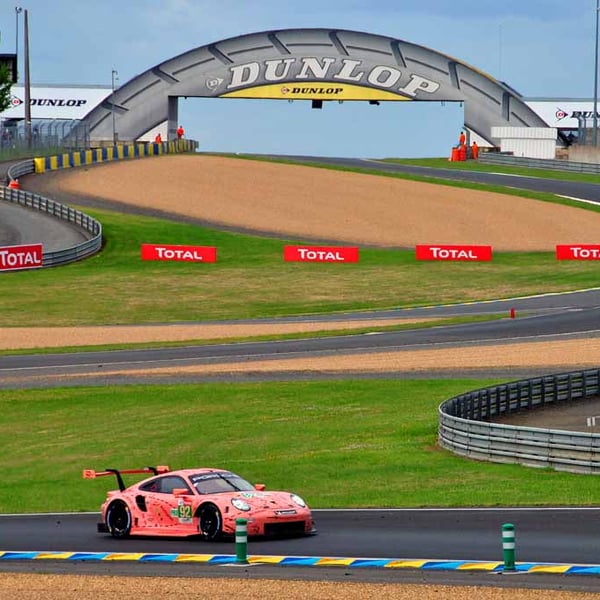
pixel 579 199
pixel 507 174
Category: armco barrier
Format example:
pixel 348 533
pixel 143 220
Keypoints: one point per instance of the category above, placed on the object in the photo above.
pixel 52 258
pixel 495 158
pixel 60 211
pixel 465 425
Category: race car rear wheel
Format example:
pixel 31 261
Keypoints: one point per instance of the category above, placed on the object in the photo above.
pixel 118 519
pixel 210 522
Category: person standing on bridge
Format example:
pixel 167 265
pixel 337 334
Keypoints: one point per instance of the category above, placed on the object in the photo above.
pixel 474 150
pixel 180 132
pixel 158 138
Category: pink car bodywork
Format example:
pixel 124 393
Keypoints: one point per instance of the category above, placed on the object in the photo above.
pixel 198 502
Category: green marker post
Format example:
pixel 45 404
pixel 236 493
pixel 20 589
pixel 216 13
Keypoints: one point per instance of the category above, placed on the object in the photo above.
pixel 508 546
pixel 241 541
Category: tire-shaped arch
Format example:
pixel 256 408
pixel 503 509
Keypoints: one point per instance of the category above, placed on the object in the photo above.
pixel 308 64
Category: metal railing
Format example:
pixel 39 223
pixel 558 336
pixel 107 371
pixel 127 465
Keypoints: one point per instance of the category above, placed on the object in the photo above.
pixel 465 427
pixel 496 158
pixel 63 256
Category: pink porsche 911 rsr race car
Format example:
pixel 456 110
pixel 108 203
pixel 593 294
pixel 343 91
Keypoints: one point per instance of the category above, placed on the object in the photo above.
pixel 201 502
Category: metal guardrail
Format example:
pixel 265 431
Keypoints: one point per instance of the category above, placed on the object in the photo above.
pixel 19 169
pixel 495 158
pixel 465 427
pixel 53 258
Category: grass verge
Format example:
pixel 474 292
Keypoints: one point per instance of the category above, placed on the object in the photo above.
pixel 338 443
pixel 250 280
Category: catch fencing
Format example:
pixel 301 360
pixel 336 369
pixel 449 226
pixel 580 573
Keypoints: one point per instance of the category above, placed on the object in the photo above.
pixel 466 427
pixel 42 136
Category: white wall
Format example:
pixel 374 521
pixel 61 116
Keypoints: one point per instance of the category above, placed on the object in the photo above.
pixel 529 148
pixel 530 142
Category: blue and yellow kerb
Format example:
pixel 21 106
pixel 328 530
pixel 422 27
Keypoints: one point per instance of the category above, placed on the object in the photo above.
pixel 307 561
pixel 110 153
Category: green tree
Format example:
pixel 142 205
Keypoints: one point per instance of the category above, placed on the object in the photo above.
pixel 5 85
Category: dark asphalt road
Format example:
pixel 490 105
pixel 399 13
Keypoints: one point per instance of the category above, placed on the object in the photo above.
pixel 584 191
pixel 564 536
pixel 543 535
pixel 20 225
pixel 544 317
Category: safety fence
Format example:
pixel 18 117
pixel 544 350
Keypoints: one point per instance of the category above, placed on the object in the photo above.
pixel 86 223
pixel 41 137
pixel 465 426
pixel 496 158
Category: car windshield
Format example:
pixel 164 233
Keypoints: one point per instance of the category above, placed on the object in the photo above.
pixel 220 482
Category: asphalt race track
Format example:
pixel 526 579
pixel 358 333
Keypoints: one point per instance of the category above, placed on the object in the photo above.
pixel 571 189
pixel 543 317
pixel 568 536
pixel 560 535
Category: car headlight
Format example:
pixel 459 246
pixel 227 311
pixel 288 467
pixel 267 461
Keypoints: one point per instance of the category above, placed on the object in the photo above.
pixel 240 504
pixel 297 500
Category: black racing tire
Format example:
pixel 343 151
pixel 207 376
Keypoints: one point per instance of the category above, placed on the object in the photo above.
pixel 210 522
pixel 118 520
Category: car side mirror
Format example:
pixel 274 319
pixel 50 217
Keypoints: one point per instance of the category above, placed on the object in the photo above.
pixel 260 487
pixel 180 492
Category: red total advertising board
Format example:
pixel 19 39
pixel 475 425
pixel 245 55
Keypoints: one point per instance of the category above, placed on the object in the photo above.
pixel 578 252
pixel 453 252
pixel 179 253
pixel 320 254
pixel 21 257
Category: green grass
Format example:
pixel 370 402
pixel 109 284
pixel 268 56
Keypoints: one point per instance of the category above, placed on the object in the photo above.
pixel 251 280
pixel 339 444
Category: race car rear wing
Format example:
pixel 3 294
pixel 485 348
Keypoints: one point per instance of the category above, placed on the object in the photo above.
pixel 91 474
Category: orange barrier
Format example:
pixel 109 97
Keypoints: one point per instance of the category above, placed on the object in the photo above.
pixel 458 153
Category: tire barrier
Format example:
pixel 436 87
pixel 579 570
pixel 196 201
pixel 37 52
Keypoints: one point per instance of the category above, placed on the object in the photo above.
pixel 313 64
pixel 465 426
pixel 111 153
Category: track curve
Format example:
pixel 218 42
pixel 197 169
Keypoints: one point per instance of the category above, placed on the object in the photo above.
pixel 470 534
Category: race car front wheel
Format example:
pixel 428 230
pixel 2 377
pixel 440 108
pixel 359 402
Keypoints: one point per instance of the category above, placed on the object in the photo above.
pixel 209 522
pixel 118 519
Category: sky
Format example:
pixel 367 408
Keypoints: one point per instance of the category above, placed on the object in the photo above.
pixel 541 48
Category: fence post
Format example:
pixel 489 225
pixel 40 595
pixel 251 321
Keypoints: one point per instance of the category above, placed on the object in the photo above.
pixel 241 541
pixel 508 546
